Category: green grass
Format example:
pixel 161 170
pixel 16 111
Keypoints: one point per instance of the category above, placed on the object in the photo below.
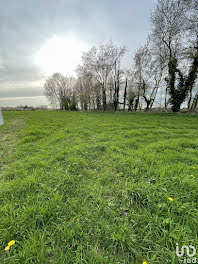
pixel 94 187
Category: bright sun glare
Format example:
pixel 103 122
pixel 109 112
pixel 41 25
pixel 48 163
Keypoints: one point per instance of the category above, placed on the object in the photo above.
pixel 60 55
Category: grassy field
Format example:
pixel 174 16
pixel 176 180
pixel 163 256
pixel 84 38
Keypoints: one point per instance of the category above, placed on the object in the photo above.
pixel 95 187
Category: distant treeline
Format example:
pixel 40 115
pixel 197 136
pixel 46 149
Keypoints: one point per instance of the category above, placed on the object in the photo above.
pixel 24 108
pixel 163 73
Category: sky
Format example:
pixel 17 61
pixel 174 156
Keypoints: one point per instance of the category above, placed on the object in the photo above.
pixel 39 37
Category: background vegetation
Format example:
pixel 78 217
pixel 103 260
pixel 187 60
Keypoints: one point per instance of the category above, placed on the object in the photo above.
pixel 163 74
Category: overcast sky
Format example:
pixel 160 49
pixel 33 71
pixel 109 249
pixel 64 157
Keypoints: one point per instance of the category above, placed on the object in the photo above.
pixel 28 27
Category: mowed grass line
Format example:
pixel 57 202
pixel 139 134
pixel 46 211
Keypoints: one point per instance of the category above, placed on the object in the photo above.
pixel 94 188
pixel 9 134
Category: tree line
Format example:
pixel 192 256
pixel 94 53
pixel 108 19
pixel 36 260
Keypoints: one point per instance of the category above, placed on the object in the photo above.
pixel 163 73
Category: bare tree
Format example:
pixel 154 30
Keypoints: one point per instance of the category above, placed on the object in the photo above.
pixel 117 74
pixel 100 62
pixel 132 90
pixel 148 74
pixel 191 50
pixel 60 91
pixel 167 20
pixel 169 33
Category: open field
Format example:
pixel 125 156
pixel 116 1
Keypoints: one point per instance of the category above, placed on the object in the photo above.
pixel 94 187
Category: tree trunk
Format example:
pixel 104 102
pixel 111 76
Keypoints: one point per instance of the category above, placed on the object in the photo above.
pixel 190 99
pixel 118 89
pixel 165 99
pixel 136 104
pixel 147 103
pixel 104 99
pixel 114 96
pixel 125 93
pixel 194 103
